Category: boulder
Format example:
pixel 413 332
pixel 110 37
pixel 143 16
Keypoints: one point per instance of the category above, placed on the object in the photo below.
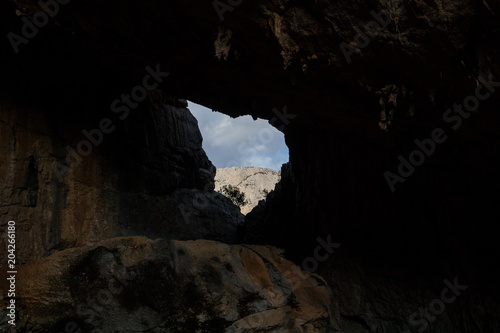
pixel 135 284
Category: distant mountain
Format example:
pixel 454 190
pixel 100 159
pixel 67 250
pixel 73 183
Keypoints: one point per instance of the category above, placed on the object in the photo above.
pixel 246 186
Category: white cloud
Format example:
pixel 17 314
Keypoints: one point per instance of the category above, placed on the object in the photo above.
pixel 240 141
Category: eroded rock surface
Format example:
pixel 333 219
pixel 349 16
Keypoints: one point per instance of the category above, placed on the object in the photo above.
pixel 266 55
pixel 125 186
pixel 139 285
pixel 269 54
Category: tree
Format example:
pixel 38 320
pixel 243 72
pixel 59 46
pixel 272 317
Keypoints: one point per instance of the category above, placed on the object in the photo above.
pixel 234 193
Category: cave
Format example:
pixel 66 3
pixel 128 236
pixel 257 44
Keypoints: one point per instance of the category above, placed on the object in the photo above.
pixel 386 215
pixel 239 142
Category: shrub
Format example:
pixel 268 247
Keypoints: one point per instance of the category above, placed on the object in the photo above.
pixel 234 193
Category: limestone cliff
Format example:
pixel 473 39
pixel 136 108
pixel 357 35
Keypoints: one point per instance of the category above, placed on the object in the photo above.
pixel 254 183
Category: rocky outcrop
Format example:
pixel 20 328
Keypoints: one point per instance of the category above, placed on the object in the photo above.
pixel 193 214
pixel 129 184
pixel 254 183
pixel 255 229
pixel 139 285
pixel 294 58
pixel 324 61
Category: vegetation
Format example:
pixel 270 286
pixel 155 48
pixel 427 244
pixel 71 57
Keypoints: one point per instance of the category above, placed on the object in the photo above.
pixel 234 193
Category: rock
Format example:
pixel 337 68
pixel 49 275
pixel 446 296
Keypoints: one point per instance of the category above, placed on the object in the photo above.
pixel 337 152
pixel 193 214
pixel 282 61
pixel 125 186
pixel 254 183
pixel 135 284
pixel 255 229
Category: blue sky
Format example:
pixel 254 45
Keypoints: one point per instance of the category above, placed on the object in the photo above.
pixel 240 141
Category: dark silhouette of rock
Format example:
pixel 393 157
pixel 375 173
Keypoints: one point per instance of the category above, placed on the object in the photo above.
pixel 282 61
pixel 132 183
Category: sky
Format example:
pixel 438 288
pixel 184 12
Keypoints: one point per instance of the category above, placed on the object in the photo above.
pixel 240 141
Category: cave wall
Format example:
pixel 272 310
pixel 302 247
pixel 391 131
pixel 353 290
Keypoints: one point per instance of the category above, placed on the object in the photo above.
pixel 266 55
pixel 132 181
pixel 450 199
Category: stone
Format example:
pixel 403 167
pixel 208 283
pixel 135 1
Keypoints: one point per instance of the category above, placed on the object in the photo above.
pixel 127 180
pixel 137 284
pixel 441 222
pixel 254 183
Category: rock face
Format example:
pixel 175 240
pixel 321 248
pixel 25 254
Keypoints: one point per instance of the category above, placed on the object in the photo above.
pixel 254 183
pixel 293 58
pixel 139 285
pixel 303 66
pixel 149 177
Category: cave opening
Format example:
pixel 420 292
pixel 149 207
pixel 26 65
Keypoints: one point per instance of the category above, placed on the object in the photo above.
pixel 248 154
pixel 133 237
pixel 240 142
